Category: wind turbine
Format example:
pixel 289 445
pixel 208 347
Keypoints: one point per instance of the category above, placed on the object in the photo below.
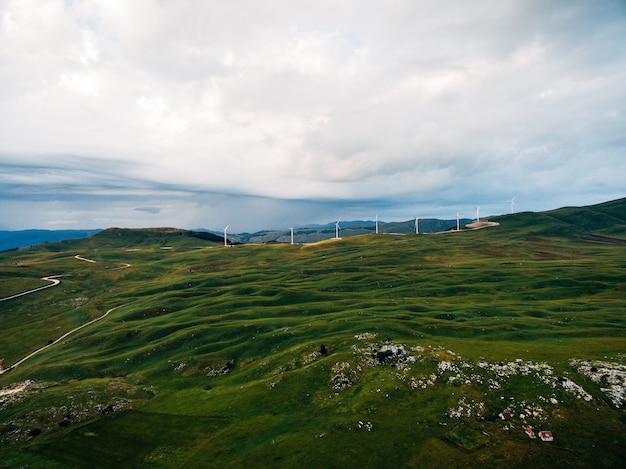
pixel 417 225
pixel 477 214
pixel 337 229
pixel 225 238
pixel 512 202
pixel 376 223
pixel 291 228
pixel 457 221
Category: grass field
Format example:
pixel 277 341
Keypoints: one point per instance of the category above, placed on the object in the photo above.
pixel 369 351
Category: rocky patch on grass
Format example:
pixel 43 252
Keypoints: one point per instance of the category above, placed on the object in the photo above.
pixel 69 409
pixel 386 354
pixel 343 375
pixel 611 377
pixel 15 392
pixel 219 369
pixel 530 391
pixel 75 302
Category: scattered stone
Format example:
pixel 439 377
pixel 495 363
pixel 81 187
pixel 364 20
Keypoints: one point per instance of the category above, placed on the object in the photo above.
pixel 366 425
pixel 575 389
pixel 341 373
pixel 365 336
pixel 612 375
pixel 529 431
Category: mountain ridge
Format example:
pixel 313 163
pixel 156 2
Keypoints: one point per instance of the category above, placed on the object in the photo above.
pixel 607 216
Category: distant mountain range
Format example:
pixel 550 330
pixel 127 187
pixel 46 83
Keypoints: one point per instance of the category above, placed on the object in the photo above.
pixel 19 239
pixel 311 233
pixel 607 217
pixel 314 233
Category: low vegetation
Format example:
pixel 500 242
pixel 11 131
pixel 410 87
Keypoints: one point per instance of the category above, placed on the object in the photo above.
pixel 369 351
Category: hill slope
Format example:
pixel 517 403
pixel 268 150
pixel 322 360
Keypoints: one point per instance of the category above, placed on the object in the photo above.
pixel 370 351
pixel 606 219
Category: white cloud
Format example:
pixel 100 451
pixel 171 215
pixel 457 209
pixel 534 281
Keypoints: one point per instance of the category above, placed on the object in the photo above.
pixel 320 100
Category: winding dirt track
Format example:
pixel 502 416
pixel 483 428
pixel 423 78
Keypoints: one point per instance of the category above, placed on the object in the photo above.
pixel 58 340
pixel 51 278
pixel 55 282
pixel 80 258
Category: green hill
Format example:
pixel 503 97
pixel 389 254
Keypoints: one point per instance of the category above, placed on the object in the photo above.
pixel 606 219
pixel 369 351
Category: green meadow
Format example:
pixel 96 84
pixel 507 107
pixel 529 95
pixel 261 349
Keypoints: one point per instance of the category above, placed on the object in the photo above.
pixel 368 351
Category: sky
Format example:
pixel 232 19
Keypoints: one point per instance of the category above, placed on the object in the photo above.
pixel 271 114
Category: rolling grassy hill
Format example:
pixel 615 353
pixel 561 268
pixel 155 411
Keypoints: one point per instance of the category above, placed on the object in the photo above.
pixel 370 351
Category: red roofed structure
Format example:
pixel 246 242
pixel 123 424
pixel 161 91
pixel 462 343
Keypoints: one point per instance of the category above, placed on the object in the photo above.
pixel 546 435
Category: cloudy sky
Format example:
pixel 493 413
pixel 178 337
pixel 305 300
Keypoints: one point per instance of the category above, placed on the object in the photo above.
pixel 269 114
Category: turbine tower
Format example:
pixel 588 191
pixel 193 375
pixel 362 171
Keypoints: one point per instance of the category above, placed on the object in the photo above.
pixel 376 223
pixel 337 230
pixel 417 225
pixel 457 221
pixel 291 234
pixel 512 202
pixel 225 238
pixel 477 214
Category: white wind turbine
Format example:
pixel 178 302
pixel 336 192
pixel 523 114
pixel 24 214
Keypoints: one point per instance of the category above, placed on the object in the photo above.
pixel 291 228
pixel 376 223
pixel 512 202
pixel 337 229
pixel 457 221
pixel 477 214
pixel 417 225
pixel 225 238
